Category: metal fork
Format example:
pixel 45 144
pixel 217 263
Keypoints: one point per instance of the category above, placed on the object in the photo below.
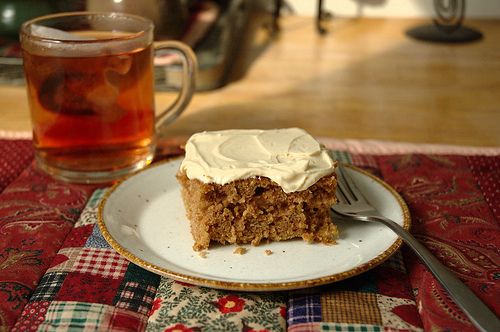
pixel 354 206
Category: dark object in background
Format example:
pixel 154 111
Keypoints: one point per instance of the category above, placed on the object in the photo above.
pixel 448 25
pixel 241 32
pixel 15 12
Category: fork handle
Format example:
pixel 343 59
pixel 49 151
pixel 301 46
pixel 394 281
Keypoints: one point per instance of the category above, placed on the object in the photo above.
pixel 482 317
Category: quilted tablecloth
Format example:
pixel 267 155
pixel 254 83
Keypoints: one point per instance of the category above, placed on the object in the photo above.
pixel 58 273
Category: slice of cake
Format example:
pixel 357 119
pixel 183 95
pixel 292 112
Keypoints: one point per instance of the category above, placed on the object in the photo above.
pixel 245 186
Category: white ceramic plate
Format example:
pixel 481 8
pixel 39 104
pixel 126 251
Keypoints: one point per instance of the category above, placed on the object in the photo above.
pixel 143 218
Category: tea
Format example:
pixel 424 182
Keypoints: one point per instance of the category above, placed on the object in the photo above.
pixel 92 113
pixel 91 92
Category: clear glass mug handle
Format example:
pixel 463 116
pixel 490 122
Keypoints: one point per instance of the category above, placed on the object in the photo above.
pixel 189 67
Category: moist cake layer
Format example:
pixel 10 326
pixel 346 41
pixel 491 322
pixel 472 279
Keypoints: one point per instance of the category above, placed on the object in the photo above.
pixel 245 186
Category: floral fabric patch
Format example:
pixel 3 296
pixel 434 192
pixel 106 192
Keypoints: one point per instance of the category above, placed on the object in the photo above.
pixel 183 307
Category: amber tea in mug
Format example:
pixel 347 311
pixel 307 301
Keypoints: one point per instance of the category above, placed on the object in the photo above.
pixel 90 83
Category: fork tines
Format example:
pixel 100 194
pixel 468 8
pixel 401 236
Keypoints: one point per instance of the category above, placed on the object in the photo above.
pixel 347 191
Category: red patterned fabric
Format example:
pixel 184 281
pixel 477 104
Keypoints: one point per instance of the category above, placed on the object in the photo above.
pixel 455 218
pixel 15 156
pixel 487 175
pixel 36 214
pixel 54 272
pixel 89 286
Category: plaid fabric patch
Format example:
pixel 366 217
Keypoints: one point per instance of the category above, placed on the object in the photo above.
pixel 48 287
pixel 364 160
pixel 350 328
pixel 350 307
pixel 102 262
pixel 138 274
pixel 342 156
pixel 69 316
pixel 135 297
pixel 78 316
pixel 305 327
pixel 325 327
pixel 304 309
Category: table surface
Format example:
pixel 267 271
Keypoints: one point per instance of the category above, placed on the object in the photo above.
pixel 364 79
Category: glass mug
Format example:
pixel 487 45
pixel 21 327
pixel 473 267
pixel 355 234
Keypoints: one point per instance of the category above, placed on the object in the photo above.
pixel 90 88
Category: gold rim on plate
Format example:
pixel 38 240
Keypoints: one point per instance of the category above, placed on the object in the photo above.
pixel 250 286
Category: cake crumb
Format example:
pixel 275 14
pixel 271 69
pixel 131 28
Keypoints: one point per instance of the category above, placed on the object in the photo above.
pixel 240 251
pixel 202 254
pixel 268 252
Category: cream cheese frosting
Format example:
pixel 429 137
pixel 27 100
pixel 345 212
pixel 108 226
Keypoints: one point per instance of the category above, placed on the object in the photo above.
pixel 290 157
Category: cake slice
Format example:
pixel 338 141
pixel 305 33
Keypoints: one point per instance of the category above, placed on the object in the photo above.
pixel 245 186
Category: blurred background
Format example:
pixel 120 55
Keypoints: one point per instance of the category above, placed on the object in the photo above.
pixel 219 30
pixel 423 71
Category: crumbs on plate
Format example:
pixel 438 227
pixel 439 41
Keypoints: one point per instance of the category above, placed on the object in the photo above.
pixel 268 252
pixel 239 251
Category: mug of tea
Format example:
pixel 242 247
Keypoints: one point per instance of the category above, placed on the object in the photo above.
pixel 90 84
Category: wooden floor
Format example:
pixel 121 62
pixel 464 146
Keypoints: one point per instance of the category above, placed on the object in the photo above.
pixel 364 79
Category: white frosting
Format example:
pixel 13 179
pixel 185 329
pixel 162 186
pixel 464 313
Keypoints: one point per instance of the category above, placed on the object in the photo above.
pixel 290 157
